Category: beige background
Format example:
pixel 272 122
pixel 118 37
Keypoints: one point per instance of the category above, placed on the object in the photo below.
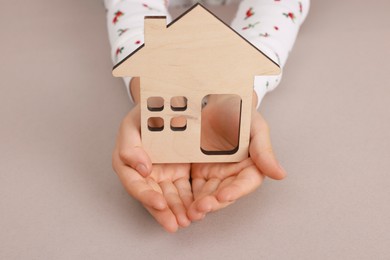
pixel 60 109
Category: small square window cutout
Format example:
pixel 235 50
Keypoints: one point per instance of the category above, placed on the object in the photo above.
pixel 179 103
pixel 179 123
pixel 155 124
pixel 155 104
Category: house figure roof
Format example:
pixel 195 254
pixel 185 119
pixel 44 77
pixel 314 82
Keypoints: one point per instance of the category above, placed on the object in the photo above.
pixel 195 39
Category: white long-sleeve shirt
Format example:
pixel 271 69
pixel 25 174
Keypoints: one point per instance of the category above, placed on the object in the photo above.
pixel 271 25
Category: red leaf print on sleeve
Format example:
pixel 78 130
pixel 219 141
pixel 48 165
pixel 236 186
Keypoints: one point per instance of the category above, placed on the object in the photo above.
pixel 249 13
pixel 119 51
pixel 116 16
pixel 290 15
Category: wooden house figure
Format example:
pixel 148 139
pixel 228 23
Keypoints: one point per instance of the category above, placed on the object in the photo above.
pixel 194 56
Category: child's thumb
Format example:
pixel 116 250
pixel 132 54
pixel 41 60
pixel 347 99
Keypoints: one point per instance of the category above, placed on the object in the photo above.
pixel 137 159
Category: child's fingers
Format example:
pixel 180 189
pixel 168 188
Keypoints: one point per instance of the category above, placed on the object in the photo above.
pixel 205 205
pixel 137 187
pixel 194 213
pixel 205 200
pixel 165 218
pixel 183 187
pixel 197 185
pixel 209 187
pixel 175 203
pixel 201 188
pixel 245 182
pixel 260 149
pixel 136 158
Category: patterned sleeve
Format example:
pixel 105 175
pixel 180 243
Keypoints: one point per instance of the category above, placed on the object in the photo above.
pixel 125 22
pixel 272 25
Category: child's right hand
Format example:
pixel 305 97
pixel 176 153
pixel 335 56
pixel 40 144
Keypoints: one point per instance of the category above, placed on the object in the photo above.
pixel 163 189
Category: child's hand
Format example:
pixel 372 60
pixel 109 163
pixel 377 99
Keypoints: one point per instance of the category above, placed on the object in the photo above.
pixel 216 185
pixel 163 189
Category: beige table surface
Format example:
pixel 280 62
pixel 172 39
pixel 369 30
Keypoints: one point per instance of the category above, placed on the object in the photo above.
pixel 60 109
